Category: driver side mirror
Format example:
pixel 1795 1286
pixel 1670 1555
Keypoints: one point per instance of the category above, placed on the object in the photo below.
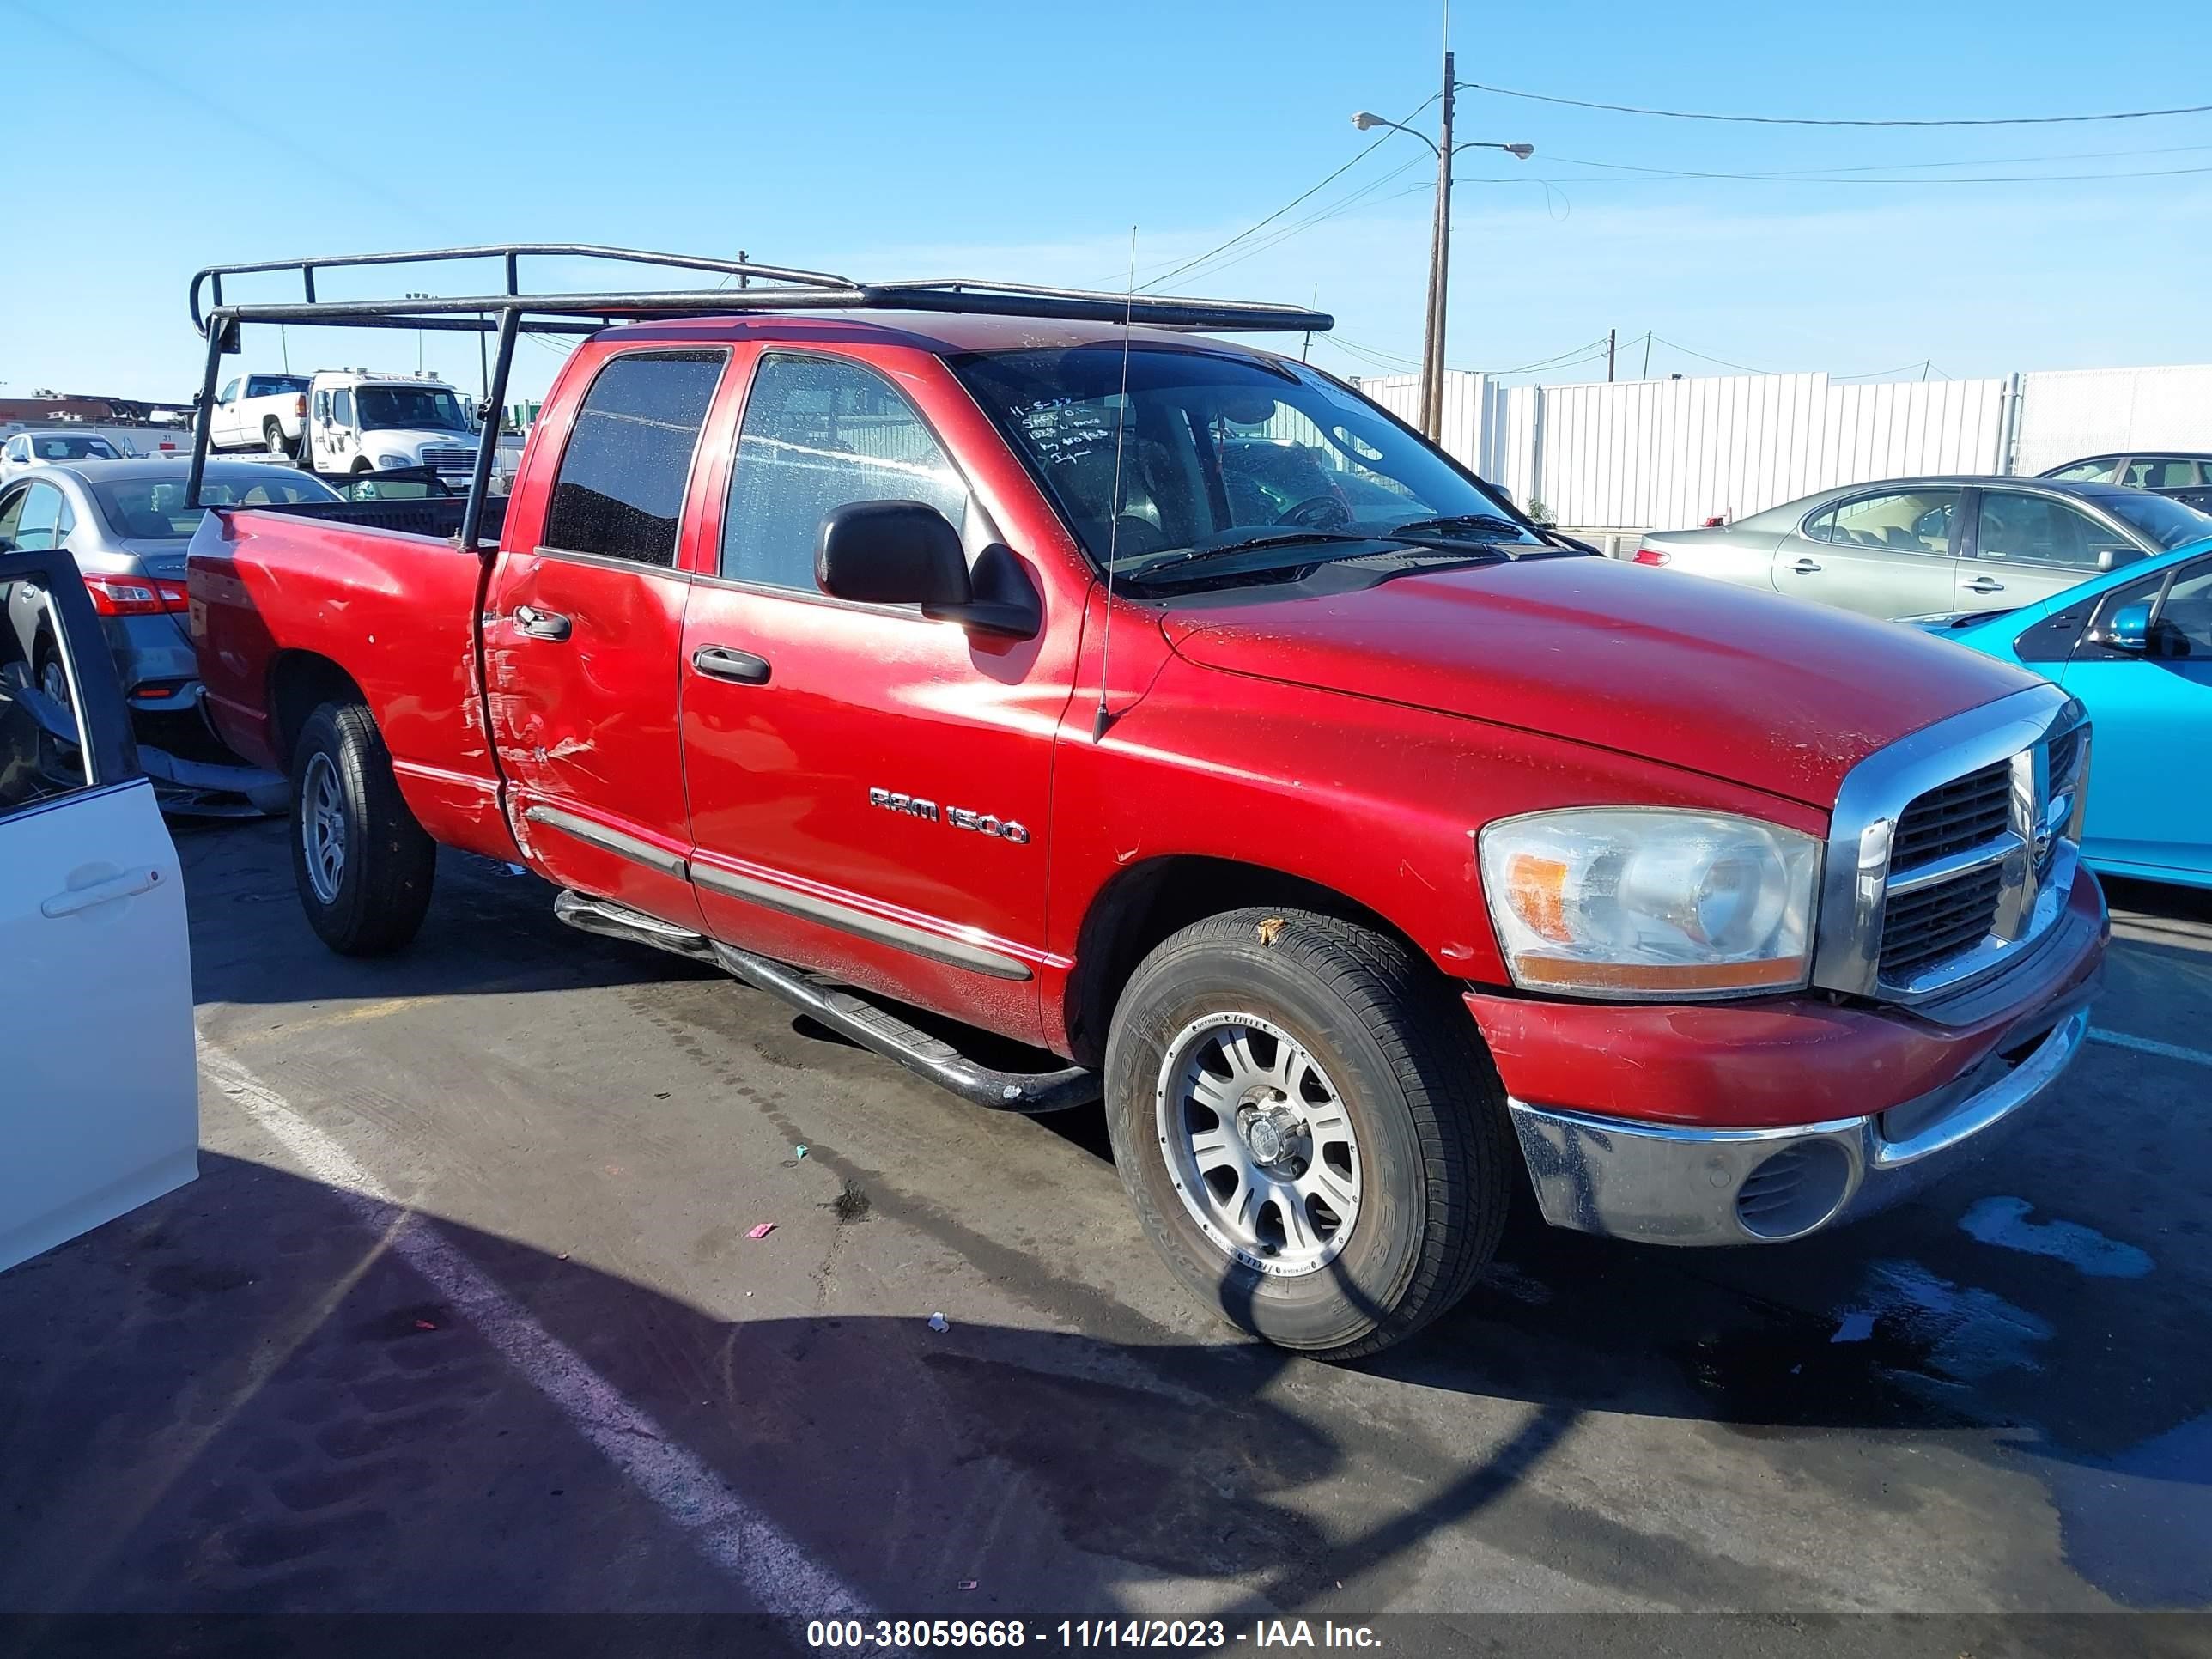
pixel 2129 628
pixel 908 553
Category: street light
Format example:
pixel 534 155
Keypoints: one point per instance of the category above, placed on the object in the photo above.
pixel 1432 335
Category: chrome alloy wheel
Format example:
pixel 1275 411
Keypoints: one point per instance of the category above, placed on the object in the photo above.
pixel 322 828
pixel 1258 1144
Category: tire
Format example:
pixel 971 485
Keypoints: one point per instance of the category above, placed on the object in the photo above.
pixel 361 465
pixel 1431 1162
pixel 370 900
pixel 272 436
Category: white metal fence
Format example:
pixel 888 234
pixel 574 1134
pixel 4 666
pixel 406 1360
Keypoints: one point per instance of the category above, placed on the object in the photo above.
pixel 1643 454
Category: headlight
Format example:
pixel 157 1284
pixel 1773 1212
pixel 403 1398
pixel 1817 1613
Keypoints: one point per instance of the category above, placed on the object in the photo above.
pixel 385 463
pixel 1650 903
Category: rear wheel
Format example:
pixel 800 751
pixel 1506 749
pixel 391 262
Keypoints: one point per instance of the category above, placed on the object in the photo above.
pixel 54 677
pixel 272 435
pixel 362 863
pixel 1311 1132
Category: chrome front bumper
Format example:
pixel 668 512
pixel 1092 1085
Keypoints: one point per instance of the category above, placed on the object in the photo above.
pixel 1667 1184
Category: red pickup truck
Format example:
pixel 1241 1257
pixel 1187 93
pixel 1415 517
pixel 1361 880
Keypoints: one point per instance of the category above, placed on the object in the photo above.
pixel 1161 705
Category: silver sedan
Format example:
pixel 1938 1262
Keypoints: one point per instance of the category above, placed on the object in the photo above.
pixel 1919 547
pixel 127 526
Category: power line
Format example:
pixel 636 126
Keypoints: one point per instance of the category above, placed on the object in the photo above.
pixel 1342 205
pixel 1826 175
pixel 1704 357
pixel 1831 121
pixel 1190 264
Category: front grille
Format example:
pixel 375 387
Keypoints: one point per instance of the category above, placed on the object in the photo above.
pixel 1921 928
pixel 449 461
pixel 1968 811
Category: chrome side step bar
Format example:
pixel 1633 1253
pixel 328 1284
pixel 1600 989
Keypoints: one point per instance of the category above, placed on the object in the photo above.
pixel 845 1013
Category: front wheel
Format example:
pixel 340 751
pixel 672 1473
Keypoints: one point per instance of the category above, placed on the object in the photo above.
pixel 363 866
pixel 1311 1132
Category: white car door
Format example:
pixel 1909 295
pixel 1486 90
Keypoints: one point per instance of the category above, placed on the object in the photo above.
pixel 98 1092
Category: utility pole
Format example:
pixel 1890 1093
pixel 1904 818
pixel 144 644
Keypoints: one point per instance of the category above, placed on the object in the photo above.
pixel 1611 340
pixel 1432 334
pixel 1646 374
pixel 1433 345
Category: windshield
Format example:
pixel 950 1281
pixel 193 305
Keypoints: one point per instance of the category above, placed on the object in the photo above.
pixel 1217 450
pixel 408 408
pixel 2165 520
pixel 141 509
pixel 73 446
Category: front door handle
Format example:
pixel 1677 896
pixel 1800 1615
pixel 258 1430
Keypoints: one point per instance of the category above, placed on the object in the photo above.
pixel 1805 567
pixel 129 884
pixel 1985 585
pixel 541 624
pixel 721 663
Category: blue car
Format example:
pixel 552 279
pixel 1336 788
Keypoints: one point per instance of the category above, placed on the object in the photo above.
pixel 2135 645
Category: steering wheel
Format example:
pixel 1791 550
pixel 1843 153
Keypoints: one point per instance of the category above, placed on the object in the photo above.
pixel 1318 513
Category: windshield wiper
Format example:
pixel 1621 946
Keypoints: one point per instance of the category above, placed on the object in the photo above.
pixel 1205 551
pixel 1451 523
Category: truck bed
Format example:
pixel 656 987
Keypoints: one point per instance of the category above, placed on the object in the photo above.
pixel 437 516
pixel 295 606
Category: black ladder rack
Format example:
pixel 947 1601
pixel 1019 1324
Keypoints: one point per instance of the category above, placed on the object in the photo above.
pixel 761 288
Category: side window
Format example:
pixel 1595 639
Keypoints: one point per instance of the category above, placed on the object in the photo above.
pixel 2160 472
pixel 323 405
pixel 42 751
pixel 2134 592
pixel 819 434
pixel 18 449
pixel 11 515
pixel 2037 529
pixel 39 529
pixel 342 406
pixel 1821 526
pixel 620 489
pixel 2097 472
pixel 2184 624
pixel 1899 521
pixel 228 392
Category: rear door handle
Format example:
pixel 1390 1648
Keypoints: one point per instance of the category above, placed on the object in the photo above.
pixel 1805 567
pixel 129 884
pixel 1985 585
pixel 721 663
pixel 541 624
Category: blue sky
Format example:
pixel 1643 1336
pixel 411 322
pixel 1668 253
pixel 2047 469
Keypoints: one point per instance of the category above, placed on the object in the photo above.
pixel 1024 140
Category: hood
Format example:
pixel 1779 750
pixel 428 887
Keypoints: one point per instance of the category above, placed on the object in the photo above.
pixel 415 438
pixel 1774 694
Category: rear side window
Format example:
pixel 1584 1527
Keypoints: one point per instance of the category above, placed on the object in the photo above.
pixel 620 491
pixel 2099 470
pixel 2160 472
pixel 818 436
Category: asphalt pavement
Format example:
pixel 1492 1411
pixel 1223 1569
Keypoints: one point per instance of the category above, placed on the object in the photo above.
pixel 467 1312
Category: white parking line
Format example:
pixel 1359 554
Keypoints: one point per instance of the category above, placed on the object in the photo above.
pixel 732 1535
pixel 2145 1046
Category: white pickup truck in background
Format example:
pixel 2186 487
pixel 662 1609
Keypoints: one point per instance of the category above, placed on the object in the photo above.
pixel 261 411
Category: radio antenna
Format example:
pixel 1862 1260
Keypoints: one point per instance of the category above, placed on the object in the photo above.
pixel 1100 719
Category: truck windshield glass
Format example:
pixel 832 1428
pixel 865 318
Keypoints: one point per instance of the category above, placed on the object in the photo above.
pixel 408 409
pixel 1218 449
pixel 2167 522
